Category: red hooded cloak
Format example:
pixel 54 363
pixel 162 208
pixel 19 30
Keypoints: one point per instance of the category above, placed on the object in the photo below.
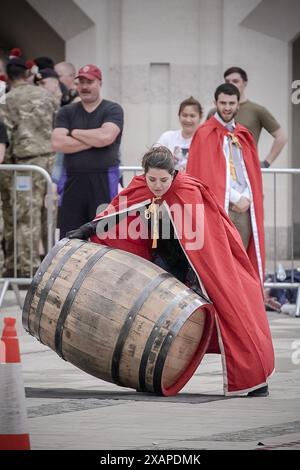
pixel 207 162
pixel 242 332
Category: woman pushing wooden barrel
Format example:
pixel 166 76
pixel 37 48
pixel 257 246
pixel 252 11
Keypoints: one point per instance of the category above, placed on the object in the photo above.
pixel 174 221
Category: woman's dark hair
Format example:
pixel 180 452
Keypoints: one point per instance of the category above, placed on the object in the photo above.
pixel 191 101
pixel 238 70
pixel 159 157
pixel 227 89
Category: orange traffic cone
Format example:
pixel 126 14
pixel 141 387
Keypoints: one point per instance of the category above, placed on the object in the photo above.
pixel 13 416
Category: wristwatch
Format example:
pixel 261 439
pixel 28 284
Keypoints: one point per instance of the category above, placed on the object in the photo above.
pixel 265 164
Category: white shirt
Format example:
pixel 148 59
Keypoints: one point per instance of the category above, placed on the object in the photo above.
pixel 178 145
pixel 234 195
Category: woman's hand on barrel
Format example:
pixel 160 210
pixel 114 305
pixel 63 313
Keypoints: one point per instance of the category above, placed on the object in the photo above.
pixel 84 232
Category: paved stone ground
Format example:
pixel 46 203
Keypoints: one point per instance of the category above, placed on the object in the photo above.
pixel 68 409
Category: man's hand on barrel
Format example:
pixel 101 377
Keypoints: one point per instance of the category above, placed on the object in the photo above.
pixel 84 232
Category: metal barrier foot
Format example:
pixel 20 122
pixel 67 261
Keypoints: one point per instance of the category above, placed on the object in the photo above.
pixel 17 294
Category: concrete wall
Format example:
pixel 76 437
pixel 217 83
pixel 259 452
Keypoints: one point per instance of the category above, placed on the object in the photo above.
pixel 154 54
pixel 21 26
pixel 266 60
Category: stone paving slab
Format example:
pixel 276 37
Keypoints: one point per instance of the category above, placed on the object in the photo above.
pixel 68 409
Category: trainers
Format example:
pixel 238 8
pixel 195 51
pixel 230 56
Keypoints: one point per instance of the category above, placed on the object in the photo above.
pixel 289 309
pixel 271 303
pixel 259 392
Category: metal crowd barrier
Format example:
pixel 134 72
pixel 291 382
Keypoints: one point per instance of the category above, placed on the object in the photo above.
pixel 283 285
pixel 15 281
pixel 132 171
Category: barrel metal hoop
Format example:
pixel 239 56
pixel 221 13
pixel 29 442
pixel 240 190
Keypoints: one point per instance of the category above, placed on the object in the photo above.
pixel 54 275
pixel 162 356
pixel 37 279
pixel 71 297
pixel 115 372
pixel 153 335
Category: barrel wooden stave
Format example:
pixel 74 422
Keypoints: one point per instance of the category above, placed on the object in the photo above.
pixel 111 323
pixel 134 339
pixel 180 355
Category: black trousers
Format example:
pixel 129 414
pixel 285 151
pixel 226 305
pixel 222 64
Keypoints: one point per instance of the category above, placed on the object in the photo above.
pixel 179 271
pixel 83 194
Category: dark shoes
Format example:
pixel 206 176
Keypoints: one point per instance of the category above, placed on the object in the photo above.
pixel 271 303
pixel 259 392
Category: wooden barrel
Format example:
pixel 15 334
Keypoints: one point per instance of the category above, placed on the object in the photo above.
pixel 118 317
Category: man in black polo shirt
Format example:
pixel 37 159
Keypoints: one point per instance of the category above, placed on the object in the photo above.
pixel 89 134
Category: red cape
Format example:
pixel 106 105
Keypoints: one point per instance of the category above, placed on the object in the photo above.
pixel 222 264
pixel 207 162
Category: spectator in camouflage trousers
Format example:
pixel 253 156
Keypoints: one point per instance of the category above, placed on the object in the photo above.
pixel 28 114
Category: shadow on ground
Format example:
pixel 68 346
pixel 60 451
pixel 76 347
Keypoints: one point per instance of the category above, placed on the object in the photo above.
pixel 69 393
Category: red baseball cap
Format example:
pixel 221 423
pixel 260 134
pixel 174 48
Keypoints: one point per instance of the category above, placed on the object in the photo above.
pixel 90 72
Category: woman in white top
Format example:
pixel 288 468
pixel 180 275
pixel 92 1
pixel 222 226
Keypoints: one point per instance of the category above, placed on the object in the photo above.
pixel 179 141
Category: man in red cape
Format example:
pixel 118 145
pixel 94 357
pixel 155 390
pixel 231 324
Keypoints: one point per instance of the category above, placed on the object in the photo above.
pixel 242 335
pixel 208 162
